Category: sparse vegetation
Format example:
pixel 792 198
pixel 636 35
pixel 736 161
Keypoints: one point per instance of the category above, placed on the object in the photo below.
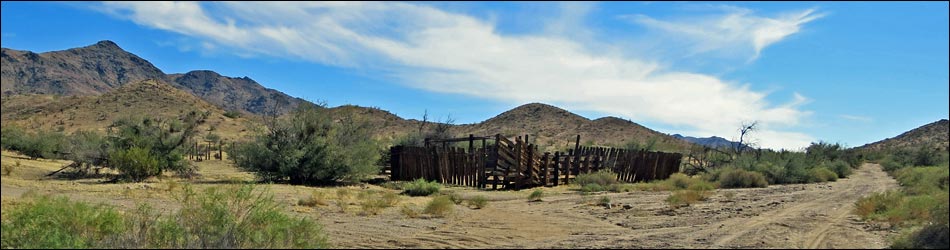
pixel 601 181
pixel 604 201
pixel 421 187
pixel 478 202
pixel 56 222
pixel 920 207
pixel 536 195
pixel 683 198
pixel 315 199
pixel 738 178
pixel 216 218
pixel 409 211
pixel 440 206
pixel 9 168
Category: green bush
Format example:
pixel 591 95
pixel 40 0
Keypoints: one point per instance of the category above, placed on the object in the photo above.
pixel 232 114
pixel 440 206
pixel 738 178
pixel 11 137
pixel 601 178
pixel 821 175
pixel 841 168
pixel 48 222
pixel 933 236
pixel 479 201
pixel 922 180
pixel 420 187
pixel 135 164
pixel 592 187
pixel 682 198
pixel 536 195
pixel 231 217
pixel 678 181
pixel 309 147
pixel 44 144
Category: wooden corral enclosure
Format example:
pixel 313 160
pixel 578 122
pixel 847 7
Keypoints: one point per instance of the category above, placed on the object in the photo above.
pixel 517 164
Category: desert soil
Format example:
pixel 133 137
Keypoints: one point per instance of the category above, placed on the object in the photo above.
pixel 780 216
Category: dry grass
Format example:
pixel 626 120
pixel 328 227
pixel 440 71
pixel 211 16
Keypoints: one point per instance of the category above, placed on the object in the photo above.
pixel 440 206
pixel 315 199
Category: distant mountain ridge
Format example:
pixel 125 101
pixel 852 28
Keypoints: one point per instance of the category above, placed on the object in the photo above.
pixel 39 89
pixel 104 66
pixel 713 141
pixel 934 135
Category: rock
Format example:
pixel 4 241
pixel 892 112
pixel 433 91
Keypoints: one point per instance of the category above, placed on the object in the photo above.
pixel 627 206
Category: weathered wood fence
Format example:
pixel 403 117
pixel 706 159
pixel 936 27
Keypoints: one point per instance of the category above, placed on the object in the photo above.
pixel 517 164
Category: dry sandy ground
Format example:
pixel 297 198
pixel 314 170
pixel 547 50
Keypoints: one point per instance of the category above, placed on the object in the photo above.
pixel 780 216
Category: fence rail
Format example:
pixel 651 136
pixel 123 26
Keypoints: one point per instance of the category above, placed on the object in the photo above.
pixel 517 164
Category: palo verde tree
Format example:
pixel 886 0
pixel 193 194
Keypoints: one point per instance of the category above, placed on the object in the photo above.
pixel 142 147
pixel 309 147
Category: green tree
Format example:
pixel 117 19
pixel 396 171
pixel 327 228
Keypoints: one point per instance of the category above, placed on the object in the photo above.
pixel 308 147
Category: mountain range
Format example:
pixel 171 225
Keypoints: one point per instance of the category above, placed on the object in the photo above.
pixel 87 87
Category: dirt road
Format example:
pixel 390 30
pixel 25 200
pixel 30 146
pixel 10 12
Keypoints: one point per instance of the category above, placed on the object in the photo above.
pixel 780 216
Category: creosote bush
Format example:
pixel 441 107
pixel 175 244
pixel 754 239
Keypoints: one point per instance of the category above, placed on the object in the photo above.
pixel 440 206
pixel 738 178
pixel 420 187
pixel 310 147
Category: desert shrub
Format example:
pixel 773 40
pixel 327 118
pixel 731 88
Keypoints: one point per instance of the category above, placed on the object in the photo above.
pixel 878 206
pixel 682 198
pixel 890 165
pixel 536 195
pixel 933 236
pixel 373 202
pixel 621 187
pixel 48 222
pixel 88 149
pixel 315 199
pixel 409 211
pixel 8 168
pixel 478 201
pixel 135 164
pixel 922 180
pixel 237 217
pixel 308 147
pixel 841 168
pixel 455 197
pixel 420 187
pixel 738 178
pixel 11 137
pixel 44 144
pixel 821 175
pixel 232 114
pixel 440 206
pixel 601 178
pixel 592 187
pixel 373 206
pixel 603 201
pixel 390 199
pixel 678 181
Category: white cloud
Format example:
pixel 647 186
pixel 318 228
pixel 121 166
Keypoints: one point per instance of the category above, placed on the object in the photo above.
pixel 436 50
pixel 736 31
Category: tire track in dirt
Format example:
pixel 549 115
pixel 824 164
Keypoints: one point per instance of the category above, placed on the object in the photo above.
pixel 866 180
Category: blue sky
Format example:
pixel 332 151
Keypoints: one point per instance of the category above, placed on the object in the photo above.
pixel 847 72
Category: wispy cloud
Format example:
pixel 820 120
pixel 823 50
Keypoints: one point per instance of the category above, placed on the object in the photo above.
pixel 737 30
pixel 441 51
